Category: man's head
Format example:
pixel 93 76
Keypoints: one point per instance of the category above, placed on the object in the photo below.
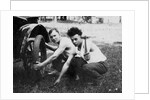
pixel 75 34
pixel 54 35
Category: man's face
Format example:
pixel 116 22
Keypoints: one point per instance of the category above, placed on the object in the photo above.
pixel 76 39
pixel 55 36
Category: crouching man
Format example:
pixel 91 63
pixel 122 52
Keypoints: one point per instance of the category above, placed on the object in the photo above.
pixel 65 48
pixel 89 58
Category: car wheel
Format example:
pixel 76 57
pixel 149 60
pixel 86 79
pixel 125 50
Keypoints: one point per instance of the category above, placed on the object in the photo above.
pixel 39 55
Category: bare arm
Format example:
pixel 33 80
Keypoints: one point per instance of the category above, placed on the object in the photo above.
pixel 51 58
pixel 53 48
pixel 64 68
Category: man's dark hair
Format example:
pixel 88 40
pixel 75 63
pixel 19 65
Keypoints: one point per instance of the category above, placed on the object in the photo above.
pixel 53 29
pixel 73 31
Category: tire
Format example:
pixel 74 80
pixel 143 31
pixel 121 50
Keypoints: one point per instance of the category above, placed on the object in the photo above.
pixel 26 54
pixel 39 49
pixel 39 54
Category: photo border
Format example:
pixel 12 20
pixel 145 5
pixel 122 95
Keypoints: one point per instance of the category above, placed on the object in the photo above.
pixel 9 14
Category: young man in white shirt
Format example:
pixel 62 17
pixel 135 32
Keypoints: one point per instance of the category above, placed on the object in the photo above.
pixel 89 57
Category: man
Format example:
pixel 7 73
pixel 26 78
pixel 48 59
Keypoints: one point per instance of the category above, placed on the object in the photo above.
pixel 89 57
pixel 65 48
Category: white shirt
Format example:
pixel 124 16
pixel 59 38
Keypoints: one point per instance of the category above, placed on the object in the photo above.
pixel 95 53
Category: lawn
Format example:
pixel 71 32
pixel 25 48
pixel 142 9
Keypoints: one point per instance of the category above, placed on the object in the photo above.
pixel 111 82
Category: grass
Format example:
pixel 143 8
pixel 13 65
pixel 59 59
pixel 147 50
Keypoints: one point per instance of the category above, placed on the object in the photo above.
pixel 111 82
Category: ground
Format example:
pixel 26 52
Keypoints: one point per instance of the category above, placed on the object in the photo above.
pixel 108 39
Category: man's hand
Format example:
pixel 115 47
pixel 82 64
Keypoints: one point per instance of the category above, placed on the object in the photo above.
pixel 87 56
pixel 57 82
pixel 37 66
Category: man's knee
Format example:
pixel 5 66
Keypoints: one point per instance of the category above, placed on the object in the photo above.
pixel 103 67
pixel 57 63
pixel 77 61
pixel 98 67
pixel 86 67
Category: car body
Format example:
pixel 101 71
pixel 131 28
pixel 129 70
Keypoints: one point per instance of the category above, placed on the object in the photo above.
pixel 25 27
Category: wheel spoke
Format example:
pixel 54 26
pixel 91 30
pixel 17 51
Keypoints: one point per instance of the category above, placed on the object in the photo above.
pixel 39 59
pixel 31 46
pixel 28 54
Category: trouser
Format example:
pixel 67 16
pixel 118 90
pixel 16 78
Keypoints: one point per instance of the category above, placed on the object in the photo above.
pixel 75 66
pixel 59 62
pixel 79 66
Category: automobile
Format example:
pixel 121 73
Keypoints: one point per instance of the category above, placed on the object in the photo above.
pixel 29 39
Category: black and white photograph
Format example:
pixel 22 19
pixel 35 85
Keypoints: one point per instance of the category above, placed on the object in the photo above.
pixel 67 54
pixel 74 49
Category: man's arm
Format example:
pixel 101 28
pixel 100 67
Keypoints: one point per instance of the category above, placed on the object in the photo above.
pixel 53 48
pixel 64 69
pixel 89 51
pixel 60 50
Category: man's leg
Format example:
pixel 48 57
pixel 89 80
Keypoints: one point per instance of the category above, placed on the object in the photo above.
pixel 95 69
pixel 59 62
pixel 75 67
